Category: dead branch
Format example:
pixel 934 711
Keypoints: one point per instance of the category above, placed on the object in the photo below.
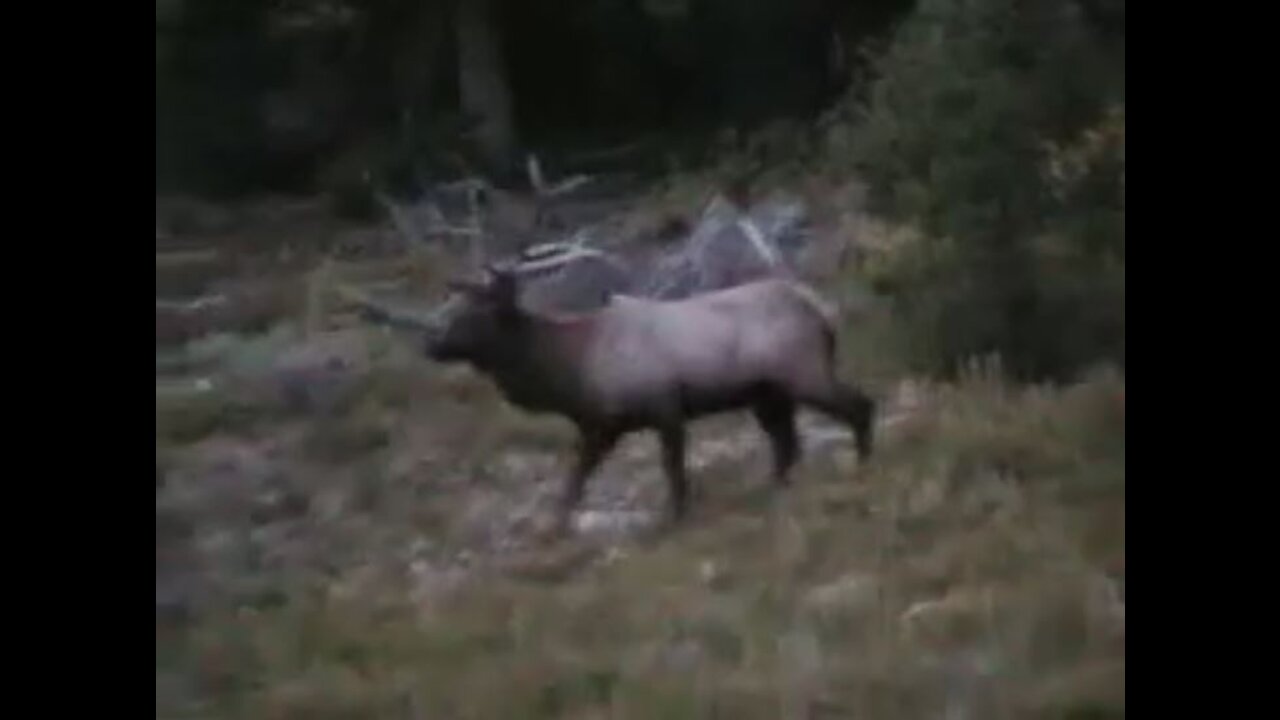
pixel 189 306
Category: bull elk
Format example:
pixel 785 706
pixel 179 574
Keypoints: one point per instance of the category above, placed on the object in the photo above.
pixel 640 364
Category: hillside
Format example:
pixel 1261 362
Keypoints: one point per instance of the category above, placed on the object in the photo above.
pixel 346 530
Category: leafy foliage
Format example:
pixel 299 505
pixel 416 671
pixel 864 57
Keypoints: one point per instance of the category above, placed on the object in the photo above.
pixel 997 126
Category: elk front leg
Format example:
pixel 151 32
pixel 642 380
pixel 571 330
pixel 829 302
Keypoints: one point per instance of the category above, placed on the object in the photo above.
pixel 593 446
pixel 672 435
pixel 775 412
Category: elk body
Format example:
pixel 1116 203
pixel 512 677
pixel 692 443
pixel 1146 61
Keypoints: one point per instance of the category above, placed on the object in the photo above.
pixel 638 364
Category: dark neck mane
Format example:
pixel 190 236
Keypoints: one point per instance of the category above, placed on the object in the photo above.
pixel 537 367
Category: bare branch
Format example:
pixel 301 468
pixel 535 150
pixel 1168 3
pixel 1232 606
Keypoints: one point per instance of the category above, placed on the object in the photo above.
pixel 758 241
pixel 195 305
pixel 534 168
pixel 378 313
pixel 568 185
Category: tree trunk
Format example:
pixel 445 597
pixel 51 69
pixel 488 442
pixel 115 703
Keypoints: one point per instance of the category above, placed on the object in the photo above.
pixel 482 76
pixel 416 66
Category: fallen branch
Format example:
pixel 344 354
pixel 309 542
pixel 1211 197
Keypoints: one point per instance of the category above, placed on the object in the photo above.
pixel 199 303
pixel 375 312
pixel 539 183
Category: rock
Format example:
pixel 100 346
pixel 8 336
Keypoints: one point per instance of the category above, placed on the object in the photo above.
pixel 612 555
pixel 818 438
pixel 926 497
pixel 709 572
pixel 612 524
pixel 849 594
pixel 276 505
pixel 431 582
pixel 953 616
pixel 710 451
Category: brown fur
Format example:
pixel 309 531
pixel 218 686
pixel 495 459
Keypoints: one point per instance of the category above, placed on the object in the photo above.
pixel 640 364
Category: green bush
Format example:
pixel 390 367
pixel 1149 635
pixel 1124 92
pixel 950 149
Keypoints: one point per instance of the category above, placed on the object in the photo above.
pixel 997 127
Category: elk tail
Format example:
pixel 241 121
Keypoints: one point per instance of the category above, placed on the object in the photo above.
pixel 827 311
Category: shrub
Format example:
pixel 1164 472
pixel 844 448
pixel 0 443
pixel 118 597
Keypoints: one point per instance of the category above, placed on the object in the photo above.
pixel 997 127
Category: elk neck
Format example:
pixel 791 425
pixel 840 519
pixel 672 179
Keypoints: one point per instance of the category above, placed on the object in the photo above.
pixel 540 365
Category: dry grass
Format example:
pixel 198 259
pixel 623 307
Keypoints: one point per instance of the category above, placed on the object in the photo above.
pixel 961 574
pixel 973 570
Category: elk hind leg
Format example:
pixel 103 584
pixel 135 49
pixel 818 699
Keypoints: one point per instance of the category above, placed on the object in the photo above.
pixel 848 404
pixel 775 412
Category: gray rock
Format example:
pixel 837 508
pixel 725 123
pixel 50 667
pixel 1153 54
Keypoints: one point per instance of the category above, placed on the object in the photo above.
pixel 612 524
pixel 849 594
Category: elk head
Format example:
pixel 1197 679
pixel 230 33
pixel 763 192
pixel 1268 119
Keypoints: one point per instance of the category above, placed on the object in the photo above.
pixel 480 315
